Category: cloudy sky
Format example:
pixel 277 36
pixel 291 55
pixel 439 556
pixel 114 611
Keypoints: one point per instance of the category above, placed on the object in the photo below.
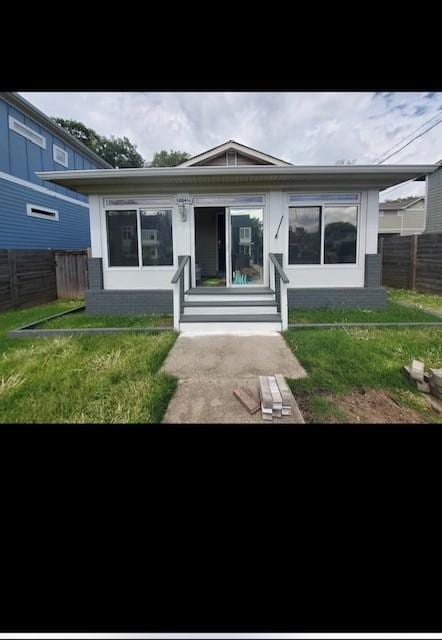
pixel 303 128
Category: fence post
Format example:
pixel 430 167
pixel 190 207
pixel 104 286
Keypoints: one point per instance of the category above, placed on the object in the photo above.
pixel 413 256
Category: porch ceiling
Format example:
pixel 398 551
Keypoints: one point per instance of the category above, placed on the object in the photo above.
pixel 280 177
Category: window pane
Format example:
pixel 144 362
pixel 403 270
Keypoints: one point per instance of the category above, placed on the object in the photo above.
pixel 340 232
pixel 156 237
pixel 304 235
pixel 122 238
pixel 247 245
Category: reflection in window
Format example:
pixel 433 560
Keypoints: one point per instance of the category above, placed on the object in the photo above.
pixel 122 238
pixel 156 237
pixel 247 245
pixel 340 231
pixel 304 235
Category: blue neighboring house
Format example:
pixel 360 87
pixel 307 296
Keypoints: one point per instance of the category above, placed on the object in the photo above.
pixel 34 213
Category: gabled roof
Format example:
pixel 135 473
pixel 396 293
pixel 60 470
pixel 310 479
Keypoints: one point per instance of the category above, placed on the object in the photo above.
pixel 232 145
pixel 17 101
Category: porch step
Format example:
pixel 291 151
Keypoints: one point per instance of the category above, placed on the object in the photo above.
pixel 229 303
pixel 244 317
pixel 208 309
pixel 231 291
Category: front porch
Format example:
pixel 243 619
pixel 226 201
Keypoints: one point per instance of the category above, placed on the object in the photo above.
pixel 230 309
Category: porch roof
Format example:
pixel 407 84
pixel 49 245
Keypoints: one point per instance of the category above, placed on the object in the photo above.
pixel 110 181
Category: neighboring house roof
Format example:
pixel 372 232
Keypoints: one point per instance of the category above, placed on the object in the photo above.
pixel 17 101
pixel 283 177
pixel 232 145
pixel 397 206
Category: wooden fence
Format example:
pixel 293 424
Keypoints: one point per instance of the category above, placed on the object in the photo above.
pixel 413 262
pixel 31 277
pixel 71 273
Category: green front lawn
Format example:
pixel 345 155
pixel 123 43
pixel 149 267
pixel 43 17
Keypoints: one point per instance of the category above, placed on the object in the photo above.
pixel 340 360
pixel 393 313
pixel 87 378
pixel 80 319
pixel 421 300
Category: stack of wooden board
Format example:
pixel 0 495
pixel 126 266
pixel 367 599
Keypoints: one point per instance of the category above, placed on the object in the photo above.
pixel 275 397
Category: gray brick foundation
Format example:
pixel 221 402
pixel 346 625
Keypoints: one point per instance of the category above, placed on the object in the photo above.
pixel 337 298
pixel 125 302
pixel 373 269
pixel 95 273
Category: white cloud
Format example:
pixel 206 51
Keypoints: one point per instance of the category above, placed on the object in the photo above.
pixel 304 128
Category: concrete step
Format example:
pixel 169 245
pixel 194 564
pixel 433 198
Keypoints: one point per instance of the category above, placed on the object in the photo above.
pixel 230 327
pixel 231 302
pixel 258 309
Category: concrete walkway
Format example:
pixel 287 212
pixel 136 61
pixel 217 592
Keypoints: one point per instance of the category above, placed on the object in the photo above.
pixel 209 367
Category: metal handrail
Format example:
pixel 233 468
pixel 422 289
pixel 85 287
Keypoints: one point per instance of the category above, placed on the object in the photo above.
pixel 180 270
pixel 282 274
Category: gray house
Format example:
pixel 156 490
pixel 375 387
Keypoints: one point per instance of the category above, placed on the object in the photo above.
pixel 402 217
pixel 434 201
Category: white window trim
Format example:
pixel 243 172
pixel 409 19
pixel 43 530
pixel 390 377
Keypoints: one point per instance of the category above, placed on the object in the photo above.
pixel 34 214
pixel 140 267
pixel 322 204
pixel 56 149
pixel 27 132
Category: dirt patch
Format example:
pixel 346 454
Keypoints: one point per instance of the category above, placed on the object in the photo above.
pixel 374 407
pixel 364 406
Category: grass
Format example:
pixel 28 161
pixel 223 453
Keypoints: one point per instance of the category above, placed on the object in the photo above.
pixel 339 360
pixel 81 319
pixel 82 378
pixel 421 300
pixel 393 313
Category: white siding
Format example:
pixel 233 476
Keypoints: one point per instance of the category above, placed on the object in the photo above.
pixel 302 276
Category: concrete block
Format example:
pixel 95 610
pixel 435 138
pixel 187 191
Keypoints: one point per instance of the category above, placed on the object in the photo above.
pixel 436 376
pixel 424 387
pixel 417 370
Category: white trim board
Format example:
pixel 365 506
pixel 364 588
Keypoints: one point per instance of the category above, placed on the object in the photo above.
pixel 27 132
pixel 36 187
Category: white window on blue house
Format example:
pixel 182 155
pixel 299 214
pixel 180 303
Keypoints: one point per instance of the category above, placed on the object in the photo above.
pixel 44 213
pixel 27 132
pixel 60 155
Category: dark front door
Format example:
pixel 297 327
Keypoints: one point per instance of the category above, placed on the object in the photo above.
pixel 221 229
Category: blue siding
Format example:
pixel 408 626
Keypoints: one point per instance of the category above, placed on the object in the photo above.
pixel 4 147
pixel 22 158
pixel 20 231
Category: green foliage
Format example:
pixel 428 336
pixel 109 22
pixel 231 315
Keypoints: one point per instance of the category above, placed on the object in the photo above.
pixel 118 152
pixel 170 158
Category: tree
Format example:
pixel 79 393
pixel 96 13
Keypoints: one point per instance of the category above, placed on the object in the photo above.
pixel 118 152
pixel 170 158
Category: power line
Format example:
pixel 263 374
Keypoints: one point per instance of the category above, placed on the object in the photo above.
pixel 407 136
pixel 412 140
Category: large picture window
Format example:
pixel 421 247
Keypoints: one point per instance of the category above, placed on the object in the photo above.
pixel 340 231
pixel 156 237
pixel 122 238
pixel 305 235
pixel 325 234
pixel 150 229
